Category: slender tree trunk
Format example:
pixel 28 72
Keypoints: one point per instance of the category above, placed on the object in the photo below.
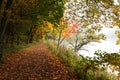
pixel 1 51
pixel 1 48
pixel 5 13
pixel 59 39
pixel 18 40
pixel 2 9
pixel 31 34
pixel 12 39
pixel 7 39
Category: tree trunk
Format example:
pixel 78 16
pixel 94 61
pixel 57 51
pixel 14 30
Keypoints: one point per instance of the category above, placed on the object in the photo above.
pixel 1 49
pixel 2 9
pixel 7 39
pixel 5 13
pixel 18 40
pixel 12 39
pixel 31 33
pixel 59 39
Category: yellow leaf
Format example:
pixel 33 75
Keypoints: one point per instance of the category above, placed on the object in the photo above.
pixel 118 41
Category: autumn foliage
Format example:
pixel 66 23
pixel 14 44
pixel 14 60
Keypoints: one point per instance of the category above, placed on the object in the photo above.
pixel 34 63
pixel 70 30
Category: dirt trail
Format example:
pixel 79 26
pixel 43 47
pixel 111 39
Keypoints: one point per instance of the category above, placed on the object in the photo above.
pixel 34 63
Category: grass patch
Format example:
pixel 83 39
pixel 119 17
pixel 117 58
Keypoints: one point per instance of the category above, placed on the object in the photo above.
pixel 12 49
pixel 68 56
pixel 78 64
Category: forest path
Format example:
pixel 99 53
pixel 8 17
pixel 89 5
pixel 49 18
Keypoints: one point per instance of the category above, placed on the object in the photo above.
pixel 34 63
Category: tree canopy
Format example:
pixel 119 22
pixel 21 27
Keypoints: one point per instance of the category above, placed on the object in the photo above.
pixel 20 20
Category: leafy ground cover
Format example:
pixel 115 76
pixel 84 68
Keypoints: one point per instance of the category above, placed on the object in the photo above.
pixel 34 63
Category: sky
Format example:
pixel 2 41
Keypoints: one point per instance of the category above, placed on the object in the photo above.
pixel 108 45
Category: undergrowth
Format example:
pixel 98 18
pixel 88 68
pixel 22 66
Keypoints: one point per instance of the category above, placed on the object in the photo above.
pixel 12 49
pixel 79 64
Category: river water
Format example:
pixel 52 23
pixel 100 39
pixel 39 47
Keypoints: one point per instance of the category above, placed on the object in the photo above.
pixel 108 45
